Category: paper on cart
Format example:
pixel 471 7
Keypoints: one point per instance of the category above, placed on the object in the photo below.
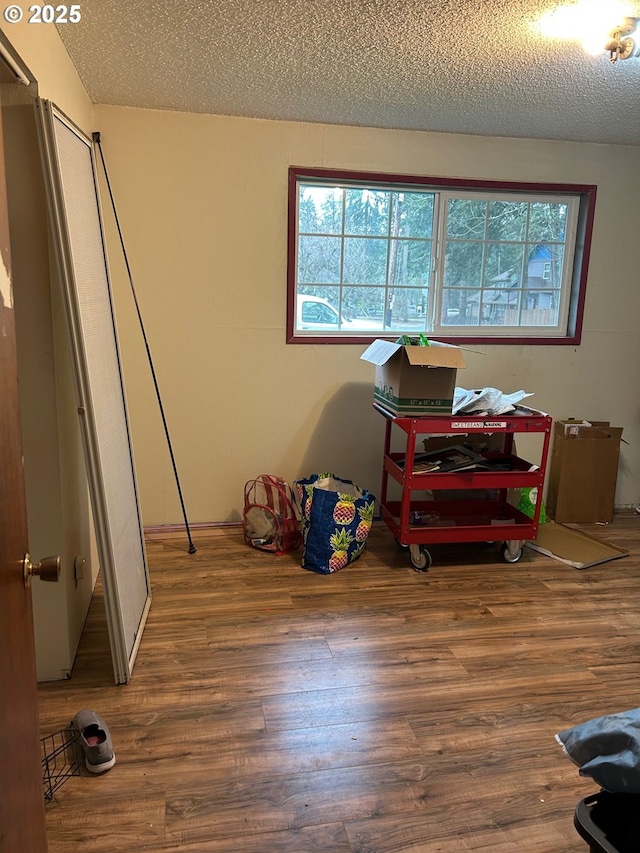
pixel 490 401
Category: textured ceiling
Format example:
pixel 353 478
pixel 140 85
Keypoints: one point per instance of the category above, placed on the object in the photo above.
pixel 442 65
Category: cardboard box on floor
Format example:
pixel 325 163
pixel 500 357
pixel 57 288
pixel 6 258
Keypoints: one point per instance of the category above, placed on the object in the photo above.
pixel 583 471
pixel 414 380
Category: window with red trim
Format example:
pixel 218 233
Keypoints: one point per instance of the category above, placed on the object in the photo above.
pixel 374 255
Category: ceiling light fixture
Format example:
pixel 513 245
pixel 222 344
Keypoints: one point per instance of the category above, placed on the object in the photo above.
pixel 598 24
pixel 623 40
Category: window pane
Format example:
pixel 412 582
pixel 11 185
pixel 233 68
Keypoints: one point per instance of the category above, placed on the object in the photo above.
pixel 540 308
pixel 412 214
pixel 364 305
pixel 544 266
pixel 547 221
pixel 366 211
pixel 463 264
pixel 503 265
pixel 317 310
pixel 499 308
pixel 320 209
pixel 308 218
pixel 365 261
pixel 557 266
pixel 319 260
pixel 460 307
pixel 330 294
pixel 406 310
pixel 507 220
pixel 466 218
pixel 409 262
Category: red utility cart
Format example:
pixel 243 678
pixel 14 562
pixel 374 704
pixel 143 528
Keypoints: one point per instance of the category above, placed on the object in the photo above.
pixel 417 522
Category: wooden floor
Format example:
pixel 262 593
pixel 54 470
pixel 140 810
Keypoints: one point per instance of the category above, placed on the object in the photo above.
pixel 377 710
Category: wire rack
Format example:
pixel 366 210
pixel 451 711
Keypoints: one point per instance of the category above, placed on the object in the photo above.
pixel 61 759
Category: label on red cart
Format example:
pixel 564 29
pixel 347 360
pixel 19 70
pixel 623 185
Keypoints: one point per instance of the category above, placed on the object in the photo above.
pixel 478 425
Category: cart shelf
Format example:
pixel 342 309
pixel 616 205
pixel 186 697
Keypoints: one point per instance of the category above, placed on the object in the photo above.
pixel 417 522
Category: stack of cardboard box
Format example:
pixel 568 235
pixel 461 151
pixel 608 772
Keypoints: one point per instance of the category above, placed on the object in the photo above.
pixel 583 471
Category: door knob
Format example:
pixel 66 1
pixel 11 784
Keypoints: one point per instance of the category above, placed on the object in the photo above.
pixel 47 569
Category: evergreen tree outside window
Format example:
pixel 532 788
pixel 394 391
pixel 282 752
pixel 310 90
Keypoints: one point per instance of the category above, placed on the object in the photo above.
pixel 388 255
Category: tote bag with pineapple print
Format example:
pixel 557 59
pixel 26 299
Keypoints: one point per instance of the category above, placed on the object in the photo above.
pixel 336 519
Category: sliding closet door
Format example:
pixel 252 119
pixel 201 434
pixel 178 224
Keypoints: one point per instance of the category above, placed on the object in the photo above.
pixel 78 237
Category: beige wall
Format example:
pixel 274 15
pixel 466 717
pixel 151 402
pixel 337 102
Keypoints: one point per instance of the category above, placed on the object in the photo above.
pixel 203 206
pixel 43 52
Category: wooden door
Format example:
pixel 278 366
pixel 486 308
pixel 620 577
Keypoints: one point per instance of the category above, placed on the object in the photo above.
pixel 22 818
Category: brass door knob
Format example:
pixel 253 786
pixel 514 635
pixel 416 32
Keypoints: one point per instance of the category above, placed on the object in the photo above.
pixel 47 569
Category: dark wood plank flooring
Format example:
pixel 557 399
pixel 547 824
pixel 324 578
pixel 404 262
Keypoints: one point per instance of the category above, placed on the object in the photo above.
pixel 377 710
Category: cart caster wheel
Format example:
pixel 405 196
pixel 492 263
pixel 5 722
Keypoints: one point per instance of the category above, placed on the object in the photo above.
pixel 510 556
pixel 420 558
pixel 401 545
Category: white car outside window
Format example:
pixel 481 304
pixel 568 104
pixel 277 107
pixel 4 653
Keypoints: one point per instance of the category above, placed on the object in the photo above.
pixel 317 314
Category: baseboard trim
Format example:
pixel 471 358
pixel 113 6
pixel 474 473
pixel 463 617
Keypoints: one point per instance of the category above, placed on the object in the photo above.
pixel 169 529
pixel 165 529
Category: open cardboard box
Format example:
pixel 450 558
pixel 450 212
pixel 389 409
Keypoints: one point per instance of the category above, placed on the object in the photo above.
pixel 414 380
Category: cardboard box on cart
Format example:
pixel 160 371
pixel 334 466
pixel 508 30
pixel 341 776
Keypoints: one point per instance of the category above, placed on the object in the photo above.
pixel 583 471
pixel 414 380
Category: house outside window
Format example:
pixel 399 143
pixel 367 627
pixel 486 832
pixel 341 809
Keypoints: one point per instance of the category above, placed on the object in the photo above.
pixel 381 256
